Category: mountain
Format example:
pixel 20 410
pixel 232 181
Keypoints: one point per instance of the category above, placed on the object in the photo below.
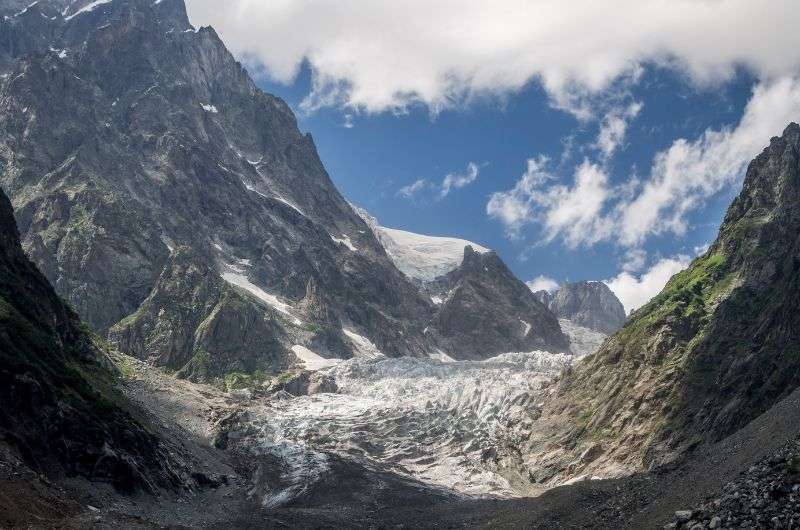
pixel 589 304
pixel 61 410
pixel 715 349
pixel 482 309
pixel 180 210
pixel 140 154
pixel 483 305
pixel 420 257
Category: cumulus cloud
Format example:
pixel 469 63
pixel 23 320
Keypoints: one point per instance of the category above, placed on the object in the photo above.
pixel 687 173
pixel 574 212
pixel 410 191
pixel 681 178
pixel 375 56
pixel 614 128
pixel 635 291
pixel 543 283
pixel 459 180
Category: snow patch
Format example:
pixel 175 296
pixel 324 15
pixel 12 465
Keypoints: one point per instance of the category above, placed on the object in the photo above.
pixel 527 328
pixel 289 204
pixel 87 8
pixel 210 108
pixel 169 243
pixel 364 347
pixel 235 277
pixel 346 242
pixel 313 361
pixel 62 54
pixel 442 357
pixel 419 256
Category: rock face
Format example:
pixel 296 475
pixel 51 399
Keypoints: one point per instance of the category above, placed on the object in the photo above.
pixel 60 408
pixel 179 209
pixel 484 310
pixel 174 204
pixel 588 304
pixel 715 349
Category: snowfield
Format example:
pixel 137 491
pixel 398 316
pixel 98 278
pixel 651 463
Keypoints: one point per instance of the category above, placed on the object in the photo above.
pixel 420 257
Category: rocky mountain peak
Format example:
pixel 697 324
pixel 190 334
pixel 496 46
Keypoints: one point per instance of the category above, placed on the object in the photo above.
pixel 589 304
pixel 483 307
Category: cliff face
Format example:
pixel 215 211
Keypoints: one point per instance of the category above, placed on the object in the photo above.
pixel 715 349
pixel 177 207
pixel 59 407
pixel 127 135
pixel 588 304
pixel 484 310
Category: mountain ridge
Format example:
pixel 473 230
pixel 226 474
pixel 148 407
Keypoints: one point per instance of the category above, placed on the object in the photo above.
pixel 707 355
pixel 158 140
pixel 62 411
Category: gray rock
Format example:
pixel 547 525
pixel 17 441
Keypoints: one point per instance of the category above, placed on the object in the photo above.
pixel 486 310
pixel 589 304
pixel 729 319
pixel 157 140
pixel 62 412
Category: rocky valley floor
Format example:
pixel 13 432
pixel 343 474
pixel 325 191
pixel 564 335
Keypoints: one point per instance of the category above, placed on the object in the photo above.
pixel 404 444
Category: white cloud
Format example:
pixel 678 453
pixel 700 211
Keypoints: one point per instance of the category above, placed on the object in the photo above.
pixel 614 127
pixel 634 260
pixel 377 55
pixel 574 213
pixel 456 181
pixel 515 208
pixel 687 173
pixel 410 191
pixel 701 249
pixel 635 291
pixel 451 181
pixel 681 179
pixel 543 283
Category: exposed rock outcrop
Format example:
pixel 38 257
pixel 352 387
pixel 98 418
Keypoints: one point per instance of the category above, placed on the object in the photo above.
pixel 715 349
pixel 485 310
pixel 59 405
pixel 127 135
pixel 589 304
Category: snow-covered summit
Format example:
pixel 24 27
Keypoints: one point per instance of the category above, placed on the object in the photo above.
pixel 419 256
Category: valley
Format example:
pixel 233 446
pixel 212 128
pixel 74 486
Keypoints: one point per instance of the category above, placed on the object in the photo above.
pixel 198 330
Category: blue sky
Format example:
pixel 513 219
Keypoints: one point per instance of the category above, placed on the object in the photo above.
pixel 381 153
pixel 583 140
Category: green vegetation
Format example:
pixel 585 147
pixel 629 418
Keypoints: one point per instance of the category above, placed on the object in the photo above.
pixel 312 328
pixel 688 295
pixel 198 368
pixel 255 379
pixel 242 380
pixel 125 364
